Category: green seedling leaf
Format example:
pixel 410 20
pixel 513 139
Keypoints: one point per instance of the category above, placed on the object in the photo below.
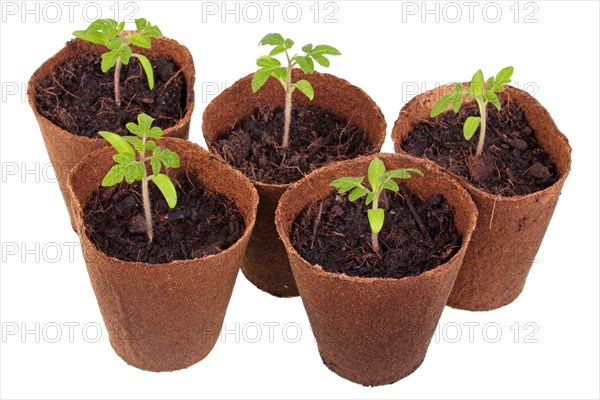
pixel 347 183
pixel 470 126
pixel 135 142
pixel 503 77
pixel 376 172
pixel 92 37
pixel 306 64
pixel 259 78
pixel 357 193
pixel 277 50
pixel 272 39
pixel 325 49
pixel 124 158
pixel 169 158
pixel 322 60
pixel 477 84
pixel 166 187
pixel 267 62
pixel 155 164
pixel 147 69
pixel 117 142
pixel 109 60
pixel 305 87
pixel 441 105
pixel 376 217
pixel 391 185
pixel 491 97
pixel 114 176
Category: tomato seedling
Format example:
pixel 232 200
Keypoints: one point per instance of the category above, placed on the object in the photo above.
pixel 131 163
pixel 483 92
pixel 270 66
pixel 111 34
pixel 379 180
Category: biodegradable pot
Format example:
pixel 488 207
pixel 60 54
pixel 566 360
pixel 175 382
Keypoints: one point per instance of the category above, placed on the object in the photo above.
pixel 266 264
pixel 374 331
pixel 509 229
pixel 66 149
pixel 163 317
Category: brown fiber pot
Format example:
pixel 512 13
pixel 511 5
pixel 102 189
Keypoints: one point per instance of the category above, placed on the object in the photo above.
pixel 266 264
pixel 510 229
pixel 374 331
pixel 66 149
pixel 163 317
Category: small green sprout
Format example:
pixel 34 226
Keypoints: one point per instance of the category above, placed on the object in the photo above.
pixel 270 66
pixel 378 180
pixel 109 33
pixel 484 93
pixel 132 167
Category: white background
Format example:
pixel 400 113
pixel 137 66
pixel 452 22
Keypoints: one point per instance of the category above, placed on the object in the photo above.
pixel 388 50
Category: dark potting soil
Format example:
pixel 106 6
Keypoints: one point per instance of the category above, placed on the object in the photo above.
pixel 80 98
pixel 335 234
pixel 202 223
pixel 317 137
pixel 513 162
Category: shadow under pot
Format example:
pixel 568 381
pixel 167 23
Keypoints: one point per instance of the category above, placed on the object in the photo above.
pixel 515 185
pixel 374 314
pixel 163 302
pixel 246 129
pixel 72 99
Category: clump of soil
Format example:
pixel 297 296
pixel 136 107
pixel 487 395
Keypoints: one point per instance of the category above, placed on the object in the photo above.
pixel 202 223
pixel 512 163
pixel 317 137
pixel 79 97
pixel 335 234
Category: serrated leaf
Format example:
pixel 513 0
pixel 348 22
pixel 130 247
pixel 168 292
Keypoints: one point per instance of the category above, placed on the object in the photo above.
pixel 166 187
pixel 267 62
pixel 92 37
pixel 322 60
pixel 357 193
pixel 376 172
pixel 305 87
pixel 376 218
pixel 147 69
pixel 277 50
pixel 116 141
pixel 477 84
pixel 306 64
pixel 125 54
pixel 155 132
pixel 144 122
pixel 140 23
pixel 155 164
pixel 134 141
pixel 134 172
pixel 259 78
pixel 280 73
pixel 492 98
pixel 391 185
pixel 347 183
pixel 140 41
pixel 504 75
pixel 326 49
pixel 272 39
pixel 150 145
pixel 109 59
pixel 114 176
pixel 441 105
pixel 169 158
pixel 470 126
pixel 123 158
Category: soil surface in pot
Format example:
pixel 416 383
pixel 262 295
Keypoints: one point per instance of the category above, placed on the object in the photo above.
pixel 513 162
pixel 335 234
pixel 80 98
pixel 202 223
pixel 317 137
